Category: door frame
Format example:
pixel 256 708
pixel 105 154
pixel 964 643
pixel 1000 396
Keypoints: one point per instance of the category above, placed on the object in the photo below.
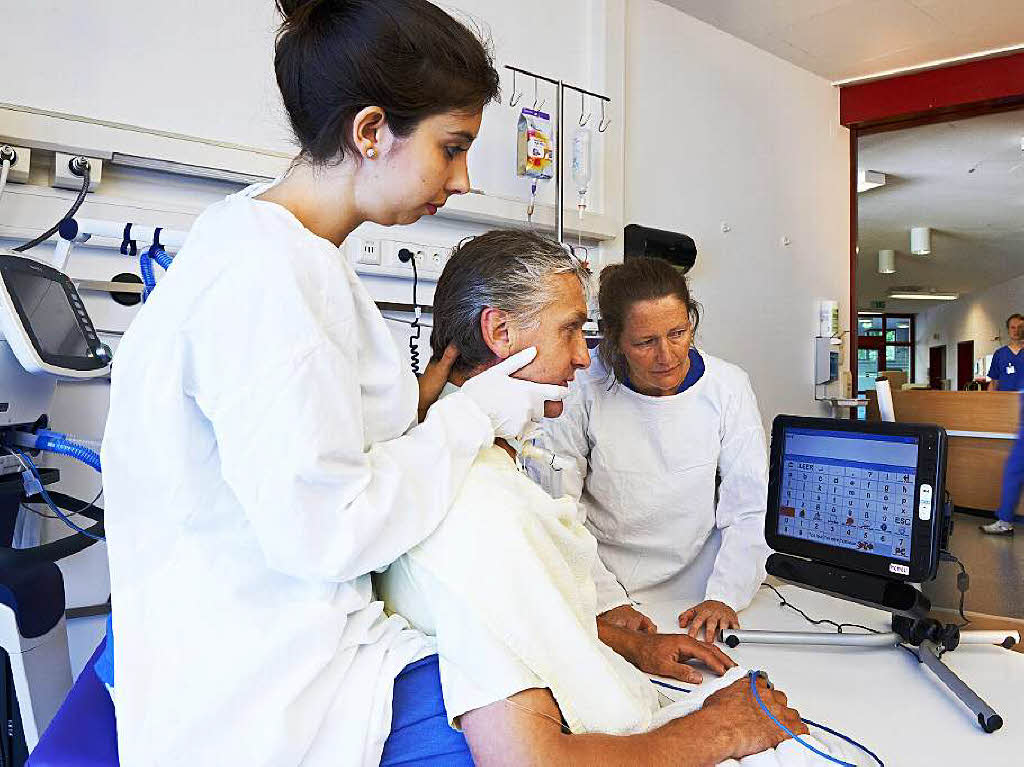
pixel 954 92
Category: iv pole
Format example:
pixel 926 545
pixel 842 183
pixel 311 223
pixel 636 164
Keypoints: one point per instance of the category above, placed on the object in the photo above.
pixel 560 88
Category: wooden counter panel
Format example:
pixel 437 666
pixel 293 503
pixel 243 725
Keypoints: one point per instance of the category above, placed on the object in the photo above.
pixel 974 472
pixel 955 410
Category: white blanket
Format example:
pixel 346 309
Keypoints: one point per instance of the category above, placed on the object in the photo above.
pixel 521 563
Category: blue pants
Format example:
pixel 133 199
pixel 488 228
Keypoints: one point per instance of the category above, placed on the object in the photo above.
pixel 1013 474
pixel 420 734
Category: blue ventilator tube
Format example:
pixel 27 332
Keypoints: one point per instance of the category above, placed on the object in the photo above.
pixel 54 442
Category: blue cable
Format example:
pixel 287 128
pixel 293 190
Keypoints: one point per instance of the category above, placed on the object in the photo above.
pixel 848 739
pixel 668 686
pixel 49 501
pixel 753 691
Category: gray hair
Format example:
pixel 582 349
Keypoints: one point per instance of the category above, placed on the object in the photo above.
pixel 505 269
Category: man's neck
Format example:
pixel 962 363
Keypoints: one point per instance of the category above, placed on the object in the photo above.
pixel 457 378
pixel 1016 346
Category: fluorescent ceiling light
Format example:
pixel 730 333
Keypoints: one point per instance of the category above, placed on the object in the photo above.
pixel 869 179
pixel 926 296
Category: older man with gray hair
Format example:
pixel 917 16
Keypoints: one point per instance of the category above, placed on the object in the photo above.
pixel 506 585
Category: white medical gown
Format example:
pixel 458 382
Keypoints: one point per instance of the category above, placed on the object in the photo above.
pixel 255 470
pixel 644 469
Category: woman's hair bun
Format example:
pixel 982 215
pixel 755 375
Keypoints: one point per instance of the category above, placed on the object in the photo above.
pixel 294 10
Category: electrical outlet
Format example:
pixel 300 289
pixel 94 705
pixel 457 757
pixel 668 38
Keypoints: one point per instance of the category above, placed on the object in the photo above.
pixel 430 259
pixel 18 172
pixel 380 257
pixel 368 253
pixel 62 177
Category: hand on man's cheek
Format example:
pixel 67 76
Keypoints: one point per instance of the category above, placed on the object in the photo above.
pixel 538 371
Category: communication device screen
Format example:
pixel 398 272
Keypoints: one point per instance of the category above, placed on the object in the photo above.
pixel 854 491
pixel 49 314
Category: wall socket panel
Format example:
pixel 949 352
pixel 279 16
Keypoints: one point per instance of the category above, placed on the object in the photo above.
pixel 62 177
pixel 380 257
pixel 18 173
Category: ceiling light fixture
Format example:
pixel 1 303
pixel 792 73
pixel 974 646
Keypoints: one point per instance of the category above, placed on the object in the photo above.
pixel 925 296
pixel 886 262
pixel 920 240
pixel 869 179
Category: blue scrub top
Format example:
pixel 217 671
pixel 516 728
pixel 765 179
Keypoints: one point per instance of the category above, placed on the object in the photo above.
pixel 1007 369
pixel 692 376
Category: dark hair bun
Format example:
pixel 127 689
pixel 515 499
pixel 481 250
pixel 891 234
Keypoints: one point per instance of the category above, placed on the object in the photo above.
pixel 296 10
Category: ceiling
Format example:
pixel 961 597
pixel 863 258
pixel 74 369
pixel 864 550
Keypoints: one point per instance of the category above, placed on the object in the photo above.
pixel 965 180
pixel 840 39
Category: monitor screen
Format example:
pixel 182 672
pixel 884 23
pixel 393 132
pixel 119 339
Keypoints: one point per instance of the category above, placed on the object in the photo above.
pixel 48 313
pixel 850 490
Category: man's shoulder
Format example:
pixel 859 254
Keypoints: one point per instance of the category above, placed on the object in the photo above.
pixel 494 479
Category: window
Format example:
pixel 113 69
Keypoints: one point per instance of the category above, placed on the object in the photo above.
pixel 884 342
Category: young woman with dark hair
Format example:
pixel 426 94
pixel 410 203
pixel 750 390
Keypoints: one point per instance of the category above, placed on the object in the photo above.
pixel 262 454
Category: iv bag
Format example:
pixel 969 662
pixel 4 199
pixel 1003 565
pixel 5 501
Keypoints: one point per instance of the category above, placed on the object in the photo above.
pixel 581 160
pixel 534 148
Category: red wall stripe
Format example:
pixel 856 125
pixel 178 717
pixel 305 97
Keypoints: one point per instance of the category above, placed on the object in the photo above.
pixel 957 85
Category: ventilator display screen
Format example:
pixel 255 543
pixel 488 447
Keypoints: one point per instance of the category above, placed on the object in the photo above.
pixel 851 490
pixel 49 314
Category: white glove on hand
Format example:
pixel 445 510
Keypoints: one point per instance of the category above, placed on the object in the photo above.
pixel 511 404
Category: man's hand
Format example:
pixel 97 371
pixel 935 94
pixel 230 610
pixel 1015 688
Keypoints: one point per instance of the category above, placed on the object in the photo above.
pixel 747 728
pixel 434 378
pixel 627 617
pixel 668 655
pixel 664 654
pixel 710 615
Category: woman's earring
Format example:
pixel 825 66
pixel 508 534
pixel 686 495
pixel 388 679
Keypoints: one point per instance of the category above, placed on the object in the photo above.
pixel 371 153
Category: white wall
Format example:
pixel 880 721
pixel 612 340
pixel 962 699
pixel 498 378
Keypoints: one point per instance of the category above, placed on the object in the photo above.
pixel 187 82
pixel 721 132
pixel 980 317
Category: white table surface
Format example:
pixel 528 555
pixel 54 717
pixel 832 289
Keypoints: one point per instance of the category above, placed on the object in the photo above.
pixel 881 697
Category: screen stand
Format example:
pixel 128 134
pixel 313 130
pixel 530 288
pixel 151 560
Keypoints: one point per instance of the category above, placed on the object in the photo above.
pixel 927 638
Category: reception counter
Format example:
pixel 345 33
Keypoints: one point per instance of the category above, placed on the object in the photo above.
pixel 982 427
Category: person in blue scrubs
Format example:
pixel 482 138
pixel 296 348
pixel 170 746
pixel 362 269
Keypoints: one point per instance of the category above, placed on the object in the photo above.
pixel 1007 369
pixel 1007 374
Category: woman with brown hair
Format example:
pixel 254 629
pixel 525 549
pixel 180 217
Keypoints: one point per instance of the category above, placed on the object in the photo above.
pixel 667 447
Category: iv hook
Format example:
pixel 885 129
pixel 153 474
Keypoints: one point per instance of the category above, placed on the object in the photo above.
pixel 516 97
pixel 603 125
pixel 583 119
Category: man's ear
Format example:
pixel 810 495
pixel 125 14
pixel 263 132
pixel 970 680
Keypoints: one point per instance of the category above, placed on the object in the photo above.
pixel 495 329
